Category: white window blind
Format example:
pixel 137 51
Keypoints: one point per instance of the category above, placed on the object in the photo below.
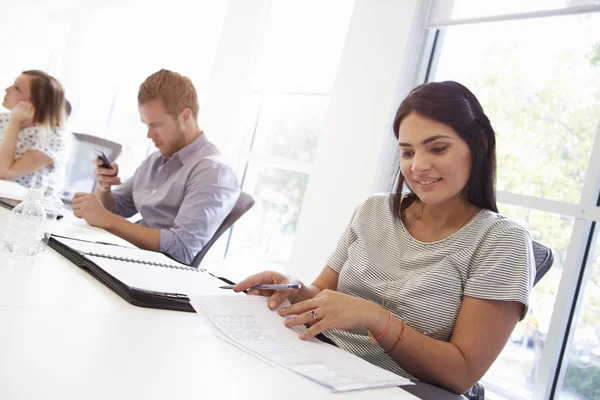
pixel 460 12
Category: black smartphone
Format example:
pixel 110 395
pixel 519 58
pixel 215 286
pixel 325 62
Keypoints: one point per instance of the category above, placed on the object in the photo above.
pixel 102 156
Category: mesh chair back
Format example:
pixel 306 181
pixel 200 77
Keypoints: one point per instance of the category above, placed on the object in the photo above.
pixel 543 260
pixel 243 204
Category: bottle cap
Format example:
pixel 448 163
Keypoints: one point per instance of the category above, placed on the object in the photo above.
pixel 35 194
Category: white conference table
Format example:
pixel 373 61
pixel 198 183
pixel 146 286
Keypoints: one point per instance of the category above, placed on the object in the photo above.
pixel 64 335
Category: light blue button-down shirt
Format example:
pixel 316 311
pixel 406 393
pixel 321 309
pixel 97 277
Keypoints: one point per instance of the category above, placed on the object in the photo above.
pixel 186 196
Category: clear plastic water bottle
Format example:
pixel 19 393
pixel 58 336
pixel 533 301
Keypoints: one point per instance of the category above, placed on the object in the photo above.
pixel 25 228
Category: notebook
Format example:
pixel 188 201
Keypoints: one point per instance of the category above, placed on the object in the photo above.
pixel 143 278
pixel 12 190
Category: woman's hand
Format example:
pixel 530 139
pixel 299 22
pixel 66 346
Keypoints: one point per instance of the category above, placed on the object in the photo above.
pixel 269 278
pixel 334 310
pixel 22 113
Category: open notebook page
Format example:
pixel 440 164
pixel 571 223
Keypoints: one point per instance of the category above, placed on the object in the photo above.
pixel 187 281
pixel 163 280
pixel 120 252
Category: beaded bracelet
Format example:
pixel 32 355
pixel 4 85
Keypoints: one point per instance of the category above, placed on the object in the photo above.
pixel 397 340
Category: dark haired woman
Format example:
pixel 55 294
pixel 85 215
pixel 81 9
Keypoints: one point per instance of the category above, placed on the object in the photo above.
pixel 428 284
pixel 33 144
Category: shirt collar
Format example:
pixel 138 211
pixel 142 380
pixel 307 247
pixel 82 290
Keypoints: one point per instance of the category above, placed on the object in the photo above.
pixel 189 150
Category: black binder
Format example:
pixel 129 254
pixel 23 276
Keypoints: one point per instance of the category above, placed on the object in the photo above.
pixel 135 296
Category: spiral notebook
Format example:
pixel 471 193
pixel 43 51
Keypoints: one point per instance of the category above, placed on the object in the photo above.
pixel 144 278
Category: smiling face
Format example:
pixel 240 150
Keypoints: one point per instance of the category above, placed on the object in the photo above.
pixel 434 159
pixel 165 131
pixel 20 90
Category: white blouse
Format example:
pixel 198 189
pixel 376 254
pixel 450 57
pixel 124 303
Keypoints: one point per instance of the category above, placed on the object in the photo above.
pixel 56 144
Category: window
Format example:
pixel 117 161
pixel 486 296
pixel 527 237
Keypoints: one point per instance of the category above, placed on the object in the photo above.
pixel 470 9
pixel 526 75
pixel 582 375
pixel 120 47
pixel 514 372
pixel 40 45
pixel 292 79
pixel 540 88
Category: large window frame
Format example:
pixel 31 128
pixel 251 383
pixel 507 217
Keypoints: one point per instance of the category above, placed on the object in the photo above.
pixel 78 17
pixel 585 233
pixel 230 86
pixel 250 156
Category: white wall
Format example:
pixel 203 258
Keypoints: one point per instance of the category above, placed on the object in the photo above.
pixel 229 82
pixel 353 158
pixel 26 40
pixel 351 162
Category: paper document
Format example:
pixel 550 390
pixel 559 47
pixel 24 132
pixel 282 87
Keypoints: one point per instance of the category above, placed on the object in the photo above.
pixel 247 322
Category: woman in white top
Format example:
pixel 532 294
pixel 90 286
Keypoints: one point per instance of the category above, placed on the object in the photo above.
pixel 33 143
pixel 428 284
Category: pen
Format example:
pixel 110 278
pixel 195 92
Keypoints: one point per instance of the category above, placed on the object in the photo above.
pixel 268 287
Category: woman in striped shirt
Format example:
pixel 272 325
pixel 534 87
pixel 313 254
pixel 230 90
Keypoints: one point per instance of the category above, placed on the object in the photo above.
pixel 431 283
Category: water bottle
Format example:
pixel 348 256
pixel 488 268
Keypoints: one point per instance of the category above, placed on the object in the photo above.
pixel 25 228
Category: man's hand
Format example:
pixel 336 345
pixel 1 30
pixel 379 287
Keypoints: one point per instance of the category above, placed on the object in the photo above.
pixel 88 207
pixel 106 177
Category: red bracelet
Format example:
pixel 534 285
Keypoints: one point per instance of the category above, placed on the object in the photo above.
pixel 397 340
pixel 386 328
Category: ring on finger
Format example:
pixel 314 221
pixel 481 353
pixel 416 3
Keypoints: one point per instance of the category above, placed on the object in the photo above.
pixel 313 313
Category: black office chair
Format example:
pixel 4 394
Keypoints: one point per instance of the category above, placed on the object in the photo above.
pixel 243 204
pixel 543 261
pixel 81 176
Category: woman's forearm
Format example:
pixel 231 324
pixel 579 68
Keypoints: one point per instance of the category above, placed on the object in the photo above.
pixel 327 279
pixel 8 146
pixel 430 360
pixel 307 292
pixel 480 332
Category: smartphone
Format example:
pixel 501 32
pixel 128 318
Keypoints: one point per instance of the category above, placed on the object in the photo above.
pixel 102 156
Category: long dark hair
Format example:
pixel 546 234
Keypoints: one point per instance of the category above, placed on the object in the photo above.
pixel 48 99
pixel 452 104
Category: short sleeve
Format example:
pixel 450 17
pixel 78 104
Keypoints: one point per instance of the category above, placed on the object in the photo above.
pixel 503 268
pixel 4 119
pixel 340 254
pixel 51 143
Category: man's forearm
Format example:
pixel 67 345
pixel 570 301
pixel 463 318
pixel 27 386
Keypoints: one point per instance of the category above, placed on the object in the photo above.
pixel 140 236
pixel 106 198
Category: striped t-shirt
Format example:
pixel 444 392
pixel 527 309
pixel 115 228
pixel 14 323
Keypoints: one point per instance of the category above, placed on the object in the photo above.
pixel 491 257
